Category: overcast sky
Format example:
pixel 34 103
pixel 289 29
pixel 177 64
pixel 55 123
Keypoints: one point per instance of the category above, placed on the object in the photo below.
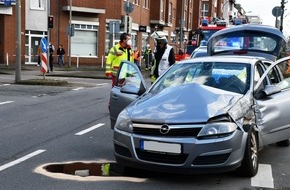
pixel 263 8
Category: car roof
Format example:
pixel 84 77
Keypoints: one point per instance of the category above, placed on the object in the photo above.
pixel 253 27
pixel 225 58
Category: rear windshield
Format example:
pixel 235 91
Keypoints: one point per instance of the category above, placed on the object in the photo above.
pixel 247 41
pixel 261 43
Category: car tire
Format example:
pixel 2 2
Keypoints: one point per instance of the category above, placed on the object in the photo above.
pixel 283 143
pixel 249 166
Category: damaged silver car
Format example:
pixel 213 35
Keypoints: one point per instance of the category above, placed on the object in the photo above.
pixel 203 115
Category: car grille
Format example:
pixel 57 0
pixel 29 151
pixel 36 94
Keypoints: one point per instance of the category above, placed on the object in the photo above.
pixel 122 151
pixel 161 158
pixel 174 130
pixel 214 159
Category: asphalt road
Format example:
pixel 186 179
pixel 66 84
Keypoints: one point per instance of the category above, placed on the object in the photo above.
pixel 43 126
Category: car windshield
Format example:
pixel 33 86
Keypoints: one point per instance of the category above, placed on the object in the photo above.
pixel 233 77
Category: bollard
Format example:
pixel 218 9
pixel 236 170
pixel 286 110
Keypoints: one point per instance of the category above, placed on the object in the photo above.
pixel 7 61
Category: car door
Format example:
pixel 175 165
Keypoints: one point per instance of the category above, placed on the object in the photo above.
pixel 273 109
pixel 129 86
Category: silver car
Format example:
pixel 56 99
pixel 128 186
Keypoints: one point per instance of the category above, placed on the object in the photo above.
pixel 203 115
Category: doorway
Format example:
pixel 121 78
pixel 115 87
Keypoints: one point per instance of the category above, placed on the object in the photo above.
pixel 31 45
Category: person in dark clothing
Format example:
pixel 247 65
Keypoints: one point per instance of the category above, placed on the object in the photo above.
pixel 60 54
pixel 51 50
pixel 148 57
pixel 164 56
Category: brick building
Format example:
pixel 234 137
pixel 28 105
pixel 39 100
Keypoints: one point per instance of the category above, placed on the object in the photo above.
pixel 92 23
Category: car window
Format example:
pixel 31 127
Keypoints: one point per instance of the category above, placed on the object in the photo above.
pixel 232 77
pixel 284 78
pixel 128 75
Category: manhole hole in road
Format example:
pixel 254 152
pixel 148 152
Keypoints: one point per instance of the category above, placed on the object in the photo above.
pixel 85 171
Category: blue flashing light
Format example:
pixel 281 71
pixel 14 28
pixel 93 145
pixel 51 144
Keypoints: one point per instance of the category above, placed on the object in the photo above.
pixel 204 22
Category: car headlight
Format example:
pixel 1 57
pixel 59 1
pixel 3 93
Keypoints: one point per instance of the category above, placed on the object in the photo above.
pixel 218 129
pixel 124 122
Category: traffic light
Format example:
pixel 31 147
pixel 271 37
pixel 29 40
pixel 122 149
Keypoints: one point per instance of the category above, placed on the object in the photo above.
pixel 50 22
pixel 128 24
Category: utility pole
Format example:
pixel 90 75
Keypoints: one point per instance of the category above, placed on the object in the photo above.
pixel 18 42
pixel 70 33
pixel 181 25
pixel 48 35
pixel 282 14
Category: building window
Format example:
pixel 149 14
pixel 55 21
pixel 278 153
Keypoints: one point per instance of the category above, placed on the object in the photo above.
pixel 189 21
pixel 162 8
pixel 170 13
pixel 84 42
pixel 204 10
pixel 136 2
pixel 146 4
pixel 173 14
pixel 37 4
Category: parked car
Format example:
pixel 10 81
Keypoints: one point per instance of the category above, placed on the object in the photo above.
pixel 201 51
pixel 203 115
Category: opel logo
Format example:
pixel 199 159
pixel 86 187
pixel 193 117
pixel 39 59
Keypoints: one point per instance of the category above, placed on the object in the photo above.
pixel 164 129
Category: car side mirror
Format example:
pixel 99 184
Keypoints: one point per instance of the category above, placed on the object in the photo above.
pixel 267 91
pixel 130 89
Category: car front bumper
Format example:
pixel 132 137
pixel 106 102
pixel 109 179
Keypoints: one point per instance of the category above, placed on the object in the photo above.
pixel 180 154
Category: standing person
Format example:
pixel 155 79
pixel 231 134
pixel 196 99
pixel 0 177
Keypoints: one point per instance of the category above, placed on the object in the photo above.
pixel 164 56
pixel 148 57
pixel 51 50
pixel 60 54
pixel 39 52
pixel 118 53
pixel 137 58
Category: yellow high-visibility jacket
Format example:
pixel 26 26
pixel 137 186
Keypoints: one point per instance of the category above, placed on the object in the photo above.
pixel 116 55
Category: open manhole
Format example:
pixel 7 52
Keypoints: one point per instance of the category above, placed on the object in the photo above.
pixel 87 169
pixel 91 171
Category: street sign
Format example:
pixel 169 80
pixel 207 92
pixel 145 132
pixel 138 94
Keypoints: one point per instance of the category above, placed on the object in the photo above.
pixel 114 27
pixel 128 7
pixel 277 11
pixel 43 45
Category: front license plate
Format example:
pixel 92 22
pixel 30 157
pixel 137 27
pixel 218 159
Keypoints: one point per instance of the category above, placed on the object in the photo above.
pixel 160 147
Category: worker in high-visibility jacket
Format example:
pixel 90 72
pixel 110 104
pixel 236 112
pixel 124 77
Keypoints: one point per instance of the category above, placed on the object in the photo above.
pixel 118 53
pixel 163 57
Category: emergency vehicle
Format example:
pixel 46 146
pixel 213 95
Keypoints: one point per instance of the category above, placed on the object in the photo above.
pixel 207 30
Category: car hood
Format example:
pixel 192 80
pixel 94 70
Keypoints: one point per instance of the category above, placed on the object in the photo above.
pixel 188 103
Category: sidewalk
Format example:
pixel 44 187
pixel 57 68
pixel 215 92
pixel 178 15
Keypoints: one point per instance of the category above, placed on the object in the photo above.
pixel 34 72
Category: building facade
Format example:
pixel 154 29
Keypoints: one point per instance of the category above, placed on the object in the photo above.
pixel 96 25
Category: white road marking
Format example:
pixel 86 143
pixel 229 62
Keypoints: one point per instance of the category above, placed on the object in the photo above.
pixel 90 129
pixel 264 177
pixel 5 84
pixel 7 102
pixel 22 159
pixel 102 84
pixel 79 88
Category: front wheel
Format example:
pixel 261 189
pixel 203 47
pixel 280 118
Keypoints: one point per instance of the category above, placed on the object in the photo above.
pixel 249 166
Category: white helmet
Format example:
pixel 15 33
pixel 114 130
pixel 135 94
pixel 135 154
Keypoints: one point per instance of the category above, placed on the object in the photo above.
pixel 159 36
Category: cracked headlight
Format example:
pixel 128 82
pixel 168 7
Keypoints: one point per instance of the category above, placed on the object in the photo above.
pixel 124 122
pixel 218 129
